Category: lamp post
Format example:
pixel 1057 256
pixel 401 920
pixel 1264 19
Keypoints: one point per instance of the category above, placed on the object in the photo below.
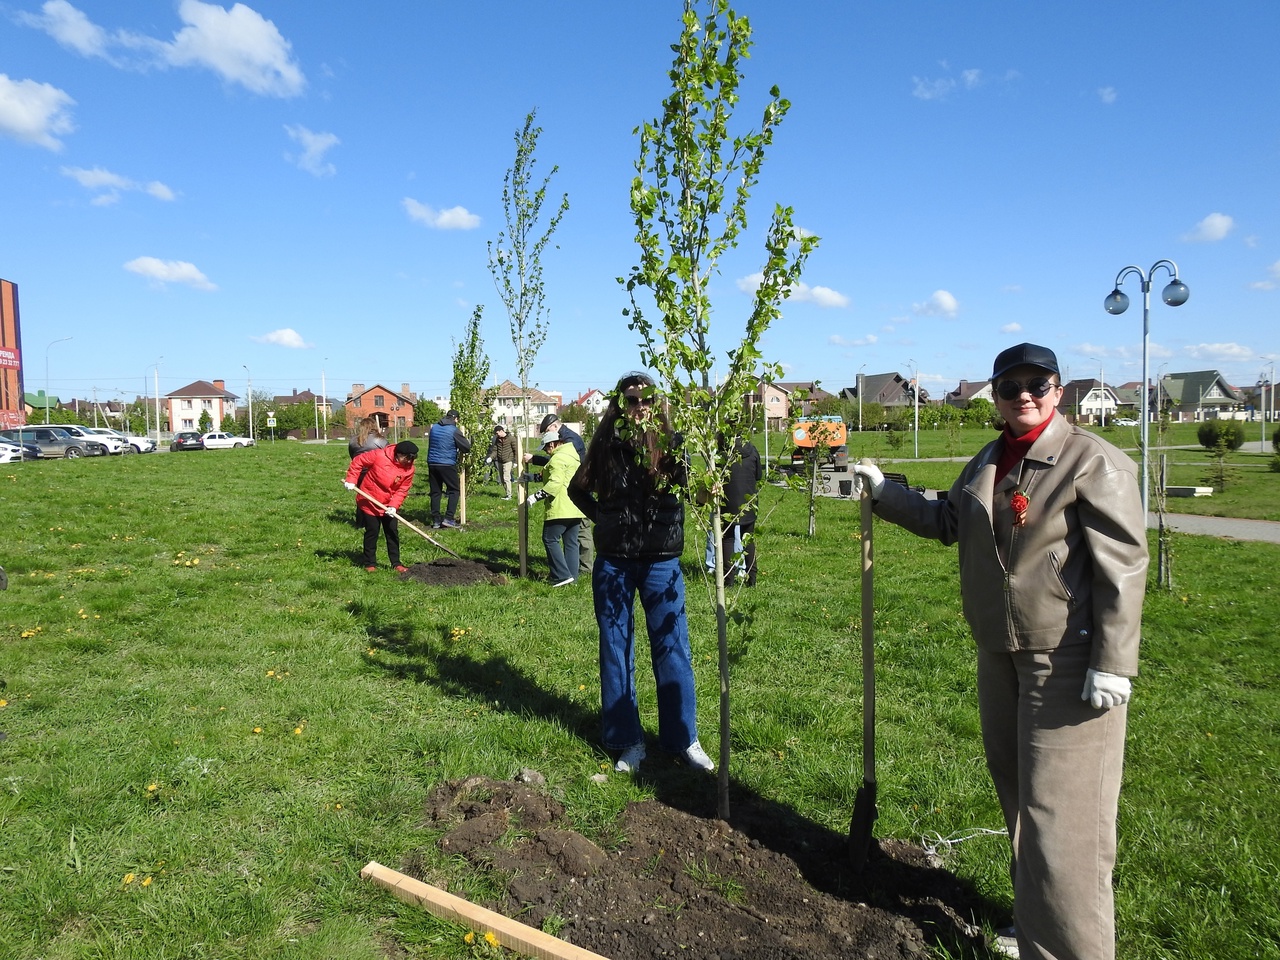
pixel 860 369
pixel 158 402
pixel 249 391
pixel 1175 294
pixel 915 402
pixel 324 399
pixel 46 374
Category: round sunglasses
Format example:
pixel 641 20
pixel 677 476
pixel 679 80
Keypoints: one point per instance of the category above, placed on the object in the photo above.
pixel 1038 387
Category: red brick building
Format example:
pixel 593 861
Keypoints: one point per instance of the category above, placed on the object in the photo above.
pixel 12 411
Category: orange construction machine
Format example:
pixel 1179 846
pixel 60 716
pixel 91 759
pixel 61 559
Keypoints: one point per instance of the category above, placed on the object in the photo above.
pixel 825 434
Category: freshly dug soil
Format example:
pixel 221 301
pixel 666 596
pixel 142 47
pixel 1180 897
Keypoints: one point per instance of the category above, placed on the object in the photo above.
pixel 450 572
pixel 670 882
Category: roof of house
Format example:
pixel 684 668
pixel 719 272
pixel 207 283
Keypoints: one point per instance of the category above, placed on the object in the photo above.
pixel 403 398
pixel 508 390
pixel 966 390
pixel 298 396
pixel 1189 388
pixel 201 389
pixel 810 391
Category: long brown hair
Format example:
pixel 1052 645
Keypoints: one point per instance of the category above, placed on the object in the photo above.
pixel 650 444
pixel 364 427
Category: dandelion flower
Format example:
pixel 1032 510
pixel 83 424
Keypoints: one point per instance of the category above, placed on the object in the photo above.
pixel 257 729
pixel 297 731
pixel 129 878
pixel 152 787
pixel 490 939
pixel 469 939
pixel 271 673
pixel 146 882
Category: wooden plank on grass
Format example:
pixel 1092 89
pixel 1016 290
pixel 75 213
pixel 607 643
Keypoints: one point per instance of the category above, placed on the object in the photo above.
pixel 512 934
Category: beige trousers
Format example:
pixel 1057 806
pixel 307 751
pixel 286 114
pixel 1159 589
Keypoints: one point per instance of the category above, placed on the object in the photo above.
pixel 1056 764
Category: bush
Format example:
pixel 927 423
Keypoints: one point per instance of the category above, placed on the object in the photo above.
pixel 1275 441
pixel 1227 432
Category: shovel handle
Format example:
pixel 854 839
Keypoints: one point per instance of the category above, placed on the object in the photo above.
pixel 868 643
pixel 420 533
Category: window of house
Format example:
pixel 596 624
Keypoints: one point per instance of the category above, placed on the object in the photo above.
pixel 358 402
pixel 206 404
pixel 186 404
pixel 188 424
pixel 379 401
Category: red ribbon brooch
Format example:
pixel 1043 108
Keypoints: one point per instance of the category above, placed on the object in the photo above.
pixel 1019 501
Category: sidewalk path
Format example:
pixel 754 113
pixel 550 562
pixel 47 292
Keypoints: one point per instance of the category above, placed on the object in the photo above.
pixel 1267 531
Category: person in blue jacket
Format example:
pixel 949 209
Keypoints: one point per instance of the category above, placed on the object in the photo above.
pixel 445 441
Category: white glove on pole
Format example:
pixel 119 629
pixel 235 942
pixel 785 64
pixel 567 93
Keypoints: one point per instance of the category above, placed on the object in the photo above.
pixel 1105 690
pixel 864 471
pixel 391 512
pixel 348 484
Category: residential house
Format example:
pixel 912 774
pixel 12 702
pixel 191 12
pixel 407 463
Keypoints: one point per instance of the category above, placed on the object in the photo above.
pixel 890 390
pixel 508 407
pixel 184 406
pixel 969 390
pixel 34 404
pixel 1088 400
pixel 1199 395
pixel 593 401
pixel 774 399
pixel 392 409
pixel 804 396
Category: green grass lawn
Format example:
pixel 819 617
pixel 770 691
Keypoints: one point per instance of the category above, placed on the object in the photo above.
pixel 212 718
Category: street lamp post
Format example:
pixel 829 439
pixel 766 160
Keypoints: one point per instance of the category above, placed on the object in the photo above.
pixel 1175 294
pixel 915 402
pixel 46 374
pixel 860 369
pixel 158 402
pixel 324 399
pixel 249 390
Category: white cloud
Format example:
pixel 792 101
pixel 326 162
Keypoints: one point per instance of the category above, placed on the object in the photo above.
pixel 1274 269
pixel 1011 328
pixel 238 44
pixel 1107 94
pixel 455 218
pixel 941 304
pixel 931 89
pixel 70 27
pixel 838 341
pixel 33 112
pixel 1211 229
pixel 1220 352
pixel 971 78
pixel 1263 285
pixel 284 337
pixel 112 184
pixel 801 292
pixel 170 271
pixel 314 147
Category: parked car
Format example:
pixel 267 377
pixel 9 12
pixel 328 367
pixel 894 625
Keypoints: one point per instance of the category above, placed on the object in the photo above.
pixel 13 452
pixel 113 443
pixel 1125 422
pixel 132 442
pixel 224 441
pixel 56 442
pixel 186 440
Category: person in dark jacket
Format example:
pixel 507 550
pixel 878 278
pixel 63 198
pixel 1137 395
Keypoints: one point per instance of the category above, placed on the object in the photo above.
pixel 505 455
pixel 445 441
pixel 385 474
pixel 367 436
pixel 629 485
pixel 738 512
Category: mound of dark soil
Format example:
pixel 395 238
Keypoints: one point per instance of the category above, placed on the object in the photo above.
pixel 766 887
pixel 451 572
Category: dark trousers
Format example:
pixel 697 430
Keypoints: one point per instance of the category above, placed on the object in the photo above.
pixel 371 524
pixel 443 477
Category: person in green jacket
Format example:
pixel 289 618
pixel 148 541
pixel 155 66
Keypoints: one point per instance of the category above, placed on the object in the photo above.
pixel 563 518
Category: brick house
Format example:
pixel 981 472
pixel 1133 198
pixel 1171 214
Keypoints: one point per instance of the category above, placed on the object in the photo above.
pixel 393 410
pixel 184 406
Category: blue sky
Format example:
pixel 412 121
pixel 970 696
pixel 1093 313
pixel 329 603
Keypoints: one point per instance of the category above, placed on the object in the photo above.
pixel 306 190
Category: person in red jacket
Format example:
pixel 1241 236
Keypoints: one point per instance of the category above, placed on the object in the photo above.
pixel 385 475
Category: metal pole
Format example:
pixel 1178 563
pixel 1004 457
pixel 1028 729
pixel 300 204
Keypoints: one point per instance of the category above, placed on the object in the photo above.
pixel 158 403
pixel 249 390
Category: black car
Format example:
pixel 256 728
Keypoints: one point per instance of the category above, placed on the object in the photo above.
pixel 186 440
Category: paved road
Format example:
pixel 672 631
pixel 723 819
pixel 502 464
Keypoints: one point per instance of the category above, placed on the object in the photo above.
pixel 1267 531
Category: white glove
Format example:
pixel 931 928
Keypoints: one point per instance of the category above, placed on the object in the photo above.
pixel 391 512
pixel 1105 690
pixel 540 495
pixel 864 471
pixel 348 484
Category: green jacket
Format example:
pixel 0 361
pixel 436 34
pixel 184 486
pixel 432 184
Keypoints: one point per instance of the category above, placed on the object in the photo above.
pixel 556 476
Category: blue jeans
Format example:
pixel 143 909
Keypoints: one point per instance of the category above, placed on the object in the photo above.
pixel 560 537
pixel 660 584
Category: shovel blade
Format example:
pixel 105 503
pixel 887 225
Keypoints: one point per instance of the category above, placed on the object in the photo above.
pixel 860 827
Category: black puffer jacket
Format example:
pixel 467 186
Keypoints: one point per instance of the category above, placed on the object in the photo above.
pixel 633 517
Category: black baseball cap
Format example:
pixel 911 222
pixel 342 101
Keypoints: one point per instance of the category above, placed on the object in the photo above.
pixel 1024 355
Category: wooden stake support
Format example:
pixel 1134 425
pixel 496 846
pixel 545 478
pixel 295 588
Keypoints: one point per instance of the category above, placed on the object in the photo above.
pixel 512 934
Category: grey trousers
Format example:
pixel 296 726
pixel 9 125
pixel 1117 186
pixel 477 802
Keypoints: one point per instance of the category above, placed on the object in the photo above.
pixel 1056 764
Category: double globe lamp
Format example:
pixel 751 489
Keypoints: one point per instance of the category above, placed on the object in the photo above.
pixel 1175 294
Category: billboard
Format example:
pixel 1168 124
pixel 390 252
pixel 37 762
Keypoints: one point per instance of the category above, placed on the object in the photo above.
pixel 12 409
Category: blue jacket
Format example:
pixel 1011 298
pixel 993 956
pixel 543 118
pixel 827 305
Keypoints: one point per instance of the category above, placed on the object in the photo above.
pixel 444 442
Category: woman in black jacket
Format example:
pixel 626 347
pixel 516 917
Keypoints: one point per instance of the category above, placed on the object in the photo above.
pixel 629 486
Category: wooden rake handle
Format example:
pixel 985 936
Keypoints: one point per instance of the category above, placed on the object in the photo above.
pixel 422 533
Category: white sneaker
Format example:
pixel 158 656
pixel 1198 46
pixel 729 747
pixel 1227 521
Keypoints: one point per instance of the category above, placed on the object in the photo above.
pixel 1005 942
pixel 695 756
pixel 629 762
